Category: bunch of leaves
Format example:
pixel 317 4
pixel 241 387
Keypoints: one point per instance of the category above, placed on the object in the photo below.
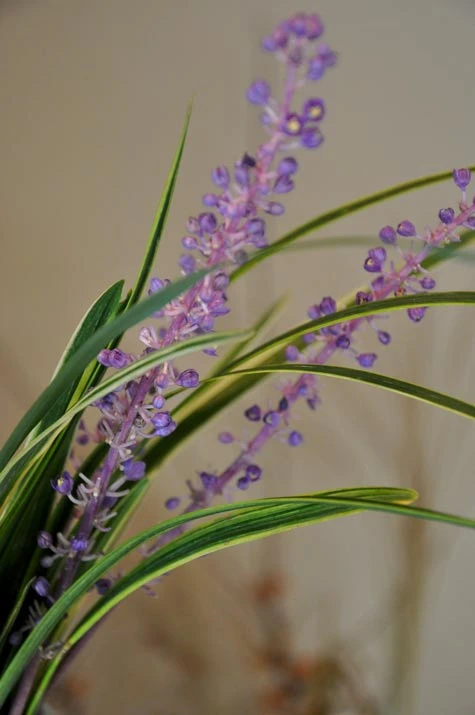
pixel 39 445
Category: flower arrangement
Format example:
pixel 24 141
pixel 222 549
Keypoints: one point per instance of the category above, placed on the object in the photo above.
pixel 81 459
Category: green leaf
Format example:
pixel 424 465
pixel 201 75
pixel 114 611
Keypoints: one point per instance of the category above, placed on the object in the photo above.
pixel 417 392
pixel 336 214
pixel 88 352
pixel 14 613
pixel 160 217
pixel 257 519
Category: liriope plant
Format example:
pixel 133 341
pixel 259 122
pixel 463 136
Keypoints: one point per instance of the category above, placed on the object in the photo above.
pixel 62 513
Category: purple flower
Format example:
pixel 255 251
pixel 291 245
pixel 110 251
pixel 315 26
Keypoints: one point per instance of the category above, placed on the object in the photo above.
pixel 225 437
pixel 295 438
pixel 243 483
pixel 416 314
pixel 172 503
pixel 79 543
pixel 274 208
pixel 258 92
pixel 363 297
pixel 462 178
pixel 272 418
pixel 291 353
pixel 314 27
pixel 133 471
pixel 63 484
pixel 253 472
pixel 327 306
pixel 406 228
pixel 446 215
pixel 208 480
pixel 428 283
pixel 314 109
pixel 288 166
pixel 384 337
pixel 188 378
pixel 220 177
pixel 311 138
pixel 283 184
pixel 44 540
pixel 315 69
pixel 388 235
pixel 342 342
pixel 283 404
pixel 256 228
pixel 208 222
pixel 253 413
pixel 314 312
pixel 366 359
pixel 292 125
pixel 374 262
pixel 161 419
pixel 187 263
pixel 158 401
pixel 165 431
pixel 41 586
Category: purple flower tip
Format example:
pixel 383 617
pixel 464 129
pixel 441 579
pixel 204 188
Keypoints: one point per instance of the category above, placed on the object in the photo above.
pixel 172 503
pixel 161 419
pixel 314 109
pixel 416 314
pixel 274 208
pixel 220 177
pixel 295 438
pixel 253 472
pixel 41 586
pixel 384 337
pixel 311 138
pixel 158 401
pixel 462 178
pixel 406 228
pixel 288 166
pixel 327 306
pixel 63 484
pixel 243 483
pixel 44 540
pixel 343 342
pixel 258 92
pixel 367 359
pixel 272 418
pixel 446 215
pixel 253 413
pixel 133 470
pixel 165 431
pixel 428 283
pixel 225 437
pixel 208 222
pixel 188 378
pixel 388 235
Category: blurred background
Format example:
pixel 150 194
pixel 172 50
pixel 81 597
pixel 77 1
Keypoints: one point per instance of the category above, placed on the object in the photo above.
pixel 367 615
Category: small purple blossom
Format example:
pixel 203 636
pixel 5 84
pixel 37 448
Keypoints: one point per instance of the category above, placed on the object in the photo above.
pixel 272 418
pixel 41 586
pixel 416 314
pixel 314 109
pixel 388 235
pixel 208 480
pixel 220 177
pixel 79 543
pixel 295 438
pixel 188 378
pixel 103 585
pixel 287 166
pixel 258 92
pixel 462 178
pixel 342 342
pixel 291 353
pixel 283 184
pixel 63 484
pixel 427 282
pixel 384 337
pixel 253 472
pixel 446 215
pixel 133 471
pixel 253 413
pixel 327 306
pixel 225 437
pixel 44 540
pixel 366 359
pixel 406 228
pixel 292 125
pixel 243 483
pixel 311 138
pixel 172 503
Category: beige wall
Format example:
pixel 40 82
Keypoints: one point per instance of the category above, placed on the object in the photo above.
pixel 92 97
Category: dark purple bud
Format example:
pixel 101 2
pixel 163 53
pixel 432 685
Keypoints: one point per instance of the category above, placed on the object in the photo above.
pixel 327 306
pixel 371 265
pixel 312 402
pixel 287 166
pixel 384 337
pixel 274 208
pixel 41 586
pixel 225 437
pixel 416 314
pixel 342 342
pixel 470 222
pixel 272 418
pixel 220 281
pixel 315 69
pixel 187 263
pixel 283 404
pixel 362 297
pixel 295 438
pixel 248 160
pixel 165 431
pixel 117 358
pixel 367 359
pixel 283 184
pixel 188 378
pixel 269 44
pixel 172 503
pixel 291 353
pixel 208 480
pixel 208 222
pixel 79 543
pixel 220 177
pixel 314 312
pixel 210 200
pixel 311 138
pixel 406 228
pixel 82 439
pixel 44 540
pixel 158 401
pixel 378 254
pixel 161 419
pixel 103 586
pixel 314 109
pixel 446 215
pixel 292 125
pixel 253 413
pixel 133 471
pixel 243 483
pixel 258 92
pixel 462 178
pixel 427 283
pixel 253 472
pixel 314 27
pixel 189 243
pixel 63 484
pixel 388 235
pixel 104 358
pixel 378 283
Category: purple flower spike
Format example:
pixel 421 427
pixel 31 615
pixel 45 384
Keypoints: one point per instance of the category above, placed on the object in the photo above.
pixel 253 413
pixel 41 586
pixel 63 484
pixel 253 472
pixel 384 337
pixel 225 437
pixel 79 543
pixel 243 483
pixel 406 228
pixel 311 138
pixel 172 503
pixel 44 540
pixel 272 418
pixel 133 471
pixel 416 314
pixel 446 215
pixel 220 177
pixel 295 438
pixel 283 184
pixel 258 92
pixel 388 235
pixel 462 178
pixel 367 359
pixel 314 109
pixel 188 378
pixel 287 166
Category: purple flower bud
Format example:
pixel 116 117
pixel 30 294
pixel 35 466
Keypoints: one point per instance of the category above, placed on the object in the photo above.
pixel 446 215
pixel 63 484
pixel 253 413
pixel 210 200
pixel 189 243
pixel 220 177
pixel 103 586
pixel 208 222
pixel 462 178
pixel 312 402
pixel 378 254
pixel 15 638
pixel 292 125
pixel 470 222
pixel 188 378
pixel 242 176
pixel 258 92
pixel 311 138
pixel 161 419
pixel 388 235
pixel 225 437
pixel 371 265
pixel 172 503
pixel 41 586
pixel 272 418
pixel 287 166
pixel 298 24
pixel 295 438
pixel 187 263
pixel 117 358
pixel 44 540
pixel 243 483
pixel 79 543
pixel 314 27
pixel 253 472
pixel 133 471
pixel 327 55
pixel 165 431
pixel 103 358
pixel 220 281
pixel 208 480
pixel 416 314
pixel 283 184
pixel 314 109
pixel 193 225
pixel 291 353
pixel 406 228
pixel 366 359
pixel 158 401
pixel 309 338
pixel 314 312
pixel 315 69
pixel 384 337
pixel 427 283
pixel 342 342
pixel 327 306
pixel 274 208
pixel 283 404
pixel 362 297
